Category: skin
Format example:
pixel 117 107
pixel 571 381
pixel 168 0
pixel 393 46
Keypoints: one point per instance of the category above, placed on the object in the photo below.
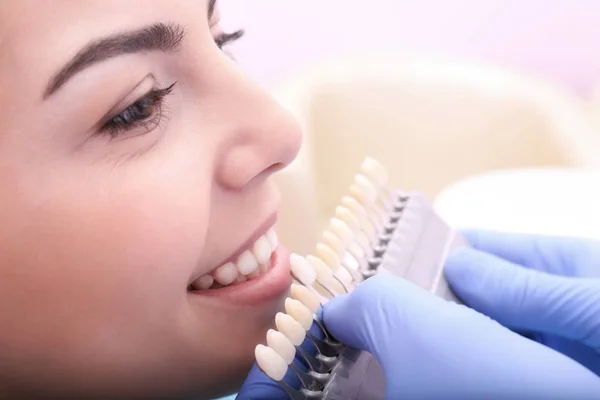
pixel 100 237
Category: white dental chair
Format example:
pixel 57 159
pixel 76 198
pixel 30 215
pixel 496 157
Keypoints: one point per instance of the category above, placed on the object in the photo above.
pixel 431 123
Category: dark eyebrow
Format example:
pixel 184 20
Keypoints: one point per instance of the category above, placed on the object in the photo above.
pixel 163 37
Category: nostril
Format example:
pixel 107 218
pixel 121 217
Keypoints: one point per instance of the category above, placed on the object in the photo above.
pixel 274 168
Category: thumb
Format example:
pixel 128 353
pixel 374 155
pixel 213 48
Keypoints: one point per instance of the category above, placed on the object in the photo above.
pixel 526 299
pixel 389 311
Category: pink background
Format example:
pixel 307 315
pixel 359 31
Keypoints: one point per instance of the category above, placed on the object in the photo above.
pixel 557 39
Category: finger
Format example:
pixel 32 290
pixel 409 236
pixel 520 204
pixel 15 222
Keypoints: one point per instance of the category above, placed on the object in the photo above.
pixel 525 299
pixel 556 255
pixel 259 386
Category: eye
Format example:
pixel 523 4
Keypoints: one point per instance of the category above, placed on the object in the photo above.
pixel 224 39
pixel 146 113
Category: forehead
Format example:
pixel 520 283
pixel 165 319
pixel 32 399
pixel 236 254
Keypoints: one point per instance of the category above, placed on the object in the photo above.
pixel 38 36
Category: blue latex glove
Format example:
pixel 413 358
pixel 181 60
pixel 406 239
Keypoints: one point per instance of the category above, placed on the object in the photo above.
pixel 433 349
pixel 430 348
pixel 547 288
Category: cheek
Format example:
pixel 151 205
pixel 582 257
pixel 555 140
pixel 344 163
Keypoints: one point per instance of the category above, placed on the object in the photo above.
pixel 109 254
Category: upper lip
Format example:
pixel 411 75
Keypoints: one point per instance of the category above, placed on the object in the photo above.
pixel 260 231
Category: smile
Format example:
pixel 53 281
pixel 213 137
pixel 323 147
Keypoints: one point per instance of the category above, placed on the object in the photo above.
pixel 252 263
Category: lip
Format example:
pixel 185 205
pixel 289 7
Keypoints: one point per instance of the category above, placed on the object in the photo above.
pixel 274 284
pixel 262 229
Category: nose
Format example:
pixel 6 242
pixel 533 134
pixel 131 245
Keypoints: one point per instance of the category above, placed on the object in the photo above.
pixel 262 137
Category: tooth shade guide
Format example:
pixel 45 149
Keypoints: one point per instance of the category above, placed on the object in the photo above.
pixel 299 312
pixel 306 297
pixel 282 345
pixel 271 363
pixel 290 328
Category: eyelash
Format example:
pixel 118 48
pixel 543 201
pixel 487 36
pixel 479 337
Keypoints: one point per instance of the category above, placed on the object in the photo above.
pixel 147 112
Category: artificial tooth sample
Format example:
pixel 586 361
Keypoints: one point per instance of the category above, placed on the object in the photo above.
pixel 302 270
pixel 357 209
pixel 282 345
pixel 272 238
pixel 226 274
pixel 271 363
pixel 299 312
pixel 204 282
pixel 373 170
pixel 290 328
pixel 334 242
pixel 342 230
pixel 306 297
pixel 262 250
pixel 328 256
pixel 247 263
pixel 325 276
pixel 366 186
pixel 348 217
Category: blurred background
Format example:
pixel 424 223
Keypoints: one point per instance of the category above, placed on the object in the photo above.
pixel 556 39
pixel 488 107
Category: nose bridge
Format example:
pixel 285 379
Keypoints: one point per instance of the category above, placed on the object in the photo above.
pixel 264 136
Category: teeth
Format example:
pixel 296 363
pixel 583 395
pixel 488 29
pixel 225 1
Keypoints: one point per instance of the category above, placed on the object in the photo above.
pixel 306 297
pixel 226 274
pixel 302 270
pixel 375 171
pixel 247 263
pixel 250 264
pixel 282 345
pixel 272 238
pixel 262 250
pixel 271 363
pixel 290 328
pixel 204 282
pixel 299 312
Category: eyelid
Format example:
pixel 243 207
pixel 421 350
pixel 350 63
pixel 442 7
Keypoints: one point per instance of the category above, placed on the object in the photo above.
pixel 140 90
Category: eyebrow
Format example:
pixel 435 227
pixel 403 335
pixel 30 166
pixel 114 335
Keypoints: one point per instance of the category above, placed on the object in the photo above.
pixel 163 37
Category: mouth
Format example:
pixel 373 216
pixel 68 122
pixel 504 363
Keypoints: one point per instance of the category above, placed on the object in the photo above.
pixel 254 262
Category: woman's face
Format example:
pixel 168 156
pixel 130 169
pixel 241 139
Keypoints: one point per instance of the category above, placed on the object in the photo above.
pixel 134 161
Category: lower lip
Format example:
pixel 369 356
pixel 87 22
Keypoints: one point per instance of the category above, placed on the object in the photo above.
pixel 273 284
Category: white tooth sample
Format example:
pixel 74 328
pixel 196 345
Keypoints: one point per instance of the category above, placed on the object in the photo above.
pixel 302 270
pixel 324 273
pixel 299 312
pixel 271 363
pixel 262 250
pixel 272 238
pixel 226 274
pixel 360 196
pixel 328 256
pixel 353 205
pixel 306 297
pixel 290 328
pixel 342 230
pixel 375 171
pixel 348 217
pixel 204 282
pixel 366 185
pixel 246 263
pixel 334 242
pixel 282 345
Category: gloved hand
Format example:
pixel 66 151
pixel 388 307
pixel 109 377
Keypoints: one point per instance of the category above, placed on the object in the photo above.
pixel 433 349
pixel 430 348
pixel 546 288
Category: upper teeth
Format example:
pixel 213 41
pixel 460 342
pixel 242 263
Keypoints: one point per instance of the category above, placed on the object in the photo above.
pixel 249 264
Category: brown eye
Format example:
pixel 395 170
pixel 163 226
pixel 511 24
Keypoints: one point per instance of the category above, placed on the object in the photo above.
pixel 145 112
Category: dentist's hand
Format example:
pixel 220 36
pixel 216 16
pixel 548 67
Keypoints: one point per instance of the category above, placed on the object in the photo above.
pixel 544 287
pixel 433 349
